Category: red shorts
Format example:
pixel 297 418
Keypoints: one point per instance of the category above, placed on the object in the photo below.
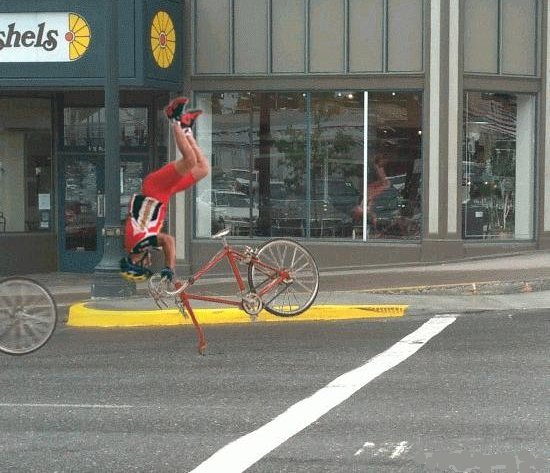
pixel 165 182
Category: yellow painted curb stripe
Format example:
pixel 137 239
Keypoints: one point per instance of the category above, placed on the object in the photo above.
pixel 82 316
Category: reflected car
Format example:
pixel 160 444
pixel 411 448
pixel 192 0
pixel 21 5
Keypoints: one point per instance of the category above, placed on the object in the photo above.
pixel 243 180
pixel 339 193
pixel 228 209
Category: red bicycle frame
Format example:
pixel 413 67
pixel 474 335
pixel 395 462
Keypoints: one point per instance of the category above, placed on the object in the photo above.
pixel 274 277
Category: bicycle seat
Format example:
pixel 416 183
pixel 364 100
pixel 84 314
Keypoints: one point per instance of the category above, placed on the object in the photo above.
pixel 221 234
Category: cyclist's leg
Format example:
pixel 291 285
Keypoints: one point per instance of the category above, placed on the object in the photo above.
pixel 166 181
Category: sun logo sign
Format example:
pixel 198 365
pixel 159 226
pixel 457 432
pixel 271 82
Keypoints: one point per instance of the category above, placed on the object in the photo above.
pixel 43 37
pixel 163 39
pixel 78 36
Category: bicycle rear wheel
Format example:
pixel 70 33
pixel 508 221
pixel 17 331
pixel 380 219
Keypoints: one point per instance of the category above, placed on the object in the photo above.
pixel 28 315
pixel 294 295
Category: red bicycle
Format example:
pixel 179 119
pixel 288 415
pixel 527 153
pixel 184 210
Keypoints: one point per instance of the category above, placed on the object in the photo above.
pixel 282 278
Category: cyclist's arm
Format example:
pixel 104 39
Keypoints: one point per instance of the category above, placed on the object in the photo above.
pixel 168 245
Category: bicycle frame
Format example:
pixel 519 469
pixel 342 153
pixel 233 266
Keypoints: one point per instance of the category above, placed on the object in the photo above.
pixel 274 277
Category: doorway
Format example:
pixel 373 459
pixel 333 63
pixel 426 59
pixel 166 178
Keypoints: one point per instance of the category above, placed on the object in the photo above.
pixel 81 170
pixel 81 215
pixel 82 206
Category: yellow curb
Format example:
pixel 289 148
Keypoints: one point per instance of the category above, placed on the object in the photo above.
pixel 82 316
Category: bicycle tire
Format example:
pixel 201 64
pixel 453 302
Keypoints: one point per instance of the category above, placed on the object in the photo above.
pixel 28 315
pixel 296 296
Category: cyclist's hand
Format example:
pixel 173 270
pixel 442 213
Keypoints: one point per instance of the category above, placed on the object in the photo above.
pixel 167 273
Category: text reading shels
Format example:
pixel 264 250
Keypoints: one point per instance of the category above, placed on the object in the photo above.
pixel 43 37
pixel 40 38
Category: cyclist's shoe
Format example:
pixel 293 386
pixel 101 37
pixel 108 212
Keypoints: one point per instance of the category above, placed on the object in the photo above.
pixel 176 108
pixel 188 119
pixel 133 272
pixel 167 273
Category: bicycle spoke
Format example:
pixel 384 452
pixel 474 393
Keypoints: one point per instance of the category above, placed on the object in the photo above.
pixel 271 260
pixel 276 295
pixel 295 258
pixel 306 288
pixel 39 323
pixel 304 267
pixel 6 329
pixel 287 303
pixel 31 332
pixel 39 314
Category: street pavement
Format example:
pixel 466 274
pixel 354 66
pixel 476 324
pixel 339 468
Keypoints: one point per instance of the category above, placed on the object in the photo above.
pixel 138 400
pixel 502 282
pixel 415 394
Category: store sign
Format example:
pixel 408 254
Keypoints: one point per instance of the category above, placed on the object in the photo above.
pixel 43 37
pixel 163 39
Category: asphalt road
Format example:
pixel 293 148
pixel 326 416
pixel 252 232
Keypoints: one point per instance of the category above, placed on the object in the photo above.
pixel 475 394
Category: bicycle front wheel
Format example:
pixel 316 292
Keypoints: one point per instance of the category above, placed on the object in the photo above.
pixel 28 315
pixel 293 295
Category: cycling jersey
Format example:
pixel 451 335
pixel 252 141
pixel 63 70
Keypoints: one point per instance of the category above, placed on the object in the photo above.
pixel 147 210
pixel 145 220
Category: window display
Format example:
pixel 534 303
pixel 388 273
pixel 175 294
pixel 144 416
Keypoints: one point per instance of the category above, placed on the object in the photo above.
pixel 84 128
pixel 498 166
pixel 26 184
pixel 300 164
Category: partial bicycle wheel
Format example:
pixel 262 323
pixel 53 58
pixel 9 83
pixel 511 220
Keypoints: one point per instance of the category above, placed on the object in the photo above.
pixel 163 291
pixel 28 315
pixel 293 295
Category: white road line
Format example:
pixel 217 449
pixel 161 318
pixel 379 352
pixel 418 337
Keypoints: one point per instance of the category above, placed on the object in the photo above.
pixel 75 406
pixel 242 453
pixel 362 449
pixel 400 449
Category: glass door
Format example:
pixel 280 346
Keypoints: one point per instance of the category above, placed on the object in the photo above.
pixel 81 213
pixel 82 173
pixel 132 172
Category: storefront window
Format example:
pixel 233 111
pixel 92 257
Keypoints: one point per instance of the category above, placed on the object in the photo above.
pixel 26 199
pixel 84 128
pixel 294 164
pixel 498 167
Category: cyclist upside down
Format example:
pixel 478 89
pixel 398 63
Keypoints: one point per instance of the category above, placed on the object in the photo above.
pixel 147 210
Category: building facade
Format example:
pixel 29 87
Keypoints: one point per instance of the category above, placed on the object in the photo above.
pixel 374 131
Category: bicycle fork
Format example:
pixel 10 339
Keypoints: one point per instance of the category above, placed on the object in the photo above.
pixel 189 309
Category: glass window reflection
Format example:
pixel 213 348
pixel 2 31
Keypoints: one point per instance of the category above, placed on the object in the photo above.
pixel 300 160
pixel 26 166
pixel 498 166
pixel 84 128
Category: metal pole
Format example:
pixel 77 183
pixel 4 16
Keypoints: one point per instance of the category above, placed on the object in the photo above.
pixel 308 170
pixel 106 281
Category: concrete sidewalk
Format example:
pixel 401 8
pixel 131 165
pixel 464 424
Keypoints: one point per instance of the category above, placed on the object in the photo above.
pixel 520 281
